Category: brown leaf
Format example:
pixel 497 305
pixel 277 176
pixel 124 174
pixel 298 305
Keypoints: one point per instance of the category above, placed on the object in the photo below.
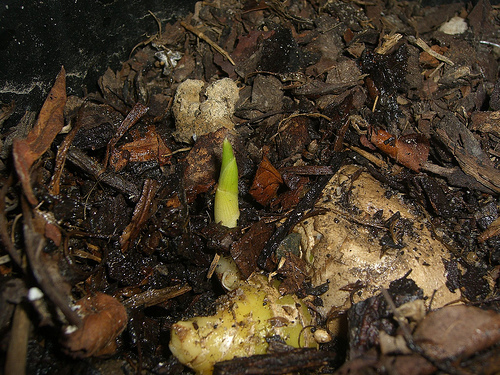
pixel 49 124
pixel 45 265
pixel 104 319
pixel 348 35
pixel 294 273
pixel 409 150
pixel 220 238
pixel 293 137
pixel 144 148
pixel 290 198
pixel 457 331
pixel 266 182
pixel 248 44
pixel 246 251
pixel 202 164
pixel 429 61
pixel 133 116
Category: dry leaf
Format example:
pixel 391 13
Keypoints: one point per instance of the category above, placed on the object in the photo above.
pixel 201 164
pixel 246 251
pixel 492 231
pixel 409 150
pixel 133 116
pixel 266 182
pixel 144 148
pixel 49 124
pixel 457 331
pixel 104 318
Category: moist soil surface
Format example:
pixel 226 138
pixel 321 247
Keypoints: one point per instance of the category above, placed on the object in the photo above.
pixel 107 200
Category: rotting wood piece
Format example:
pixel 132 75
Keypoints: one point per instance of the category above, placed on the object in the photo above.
pixel 116 181
pixel 276 363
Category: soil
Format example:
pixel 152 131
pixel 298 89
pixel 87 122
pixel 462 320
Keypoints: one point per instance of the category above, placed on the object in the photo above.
pixel 377 123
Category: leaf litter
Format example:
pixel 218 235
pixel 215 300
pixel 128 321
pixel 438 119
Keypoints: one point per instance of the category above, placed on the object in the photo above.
pixel 367 141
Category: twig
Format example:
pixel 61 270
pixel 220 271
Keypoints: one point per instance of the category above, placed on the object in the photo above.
pixel 308 170
pixel 177 151
pixel 62 154
pixel 149 39
pixel 370 157
pixel 143 210
pixel 264 116
pixel 154 297
pixel 420 42
pixel 116 181
pixel 363 223
pixel 202 36
pixel 281 9
pixel 157 22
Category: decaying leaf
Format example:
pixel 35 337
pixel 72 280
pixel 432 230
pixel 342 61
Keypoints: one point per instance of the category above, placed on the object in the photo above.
pixel 133 116
pixel 458 331
pixel 293 136
pixel 44 265
pixel 294 271
pixel 144 148
pixel 368 319
pixel 246 250
pixel 201 164
pixel 266 182
pixel 104 318
pixel 49 124
pixel 410 150
pixel 290 198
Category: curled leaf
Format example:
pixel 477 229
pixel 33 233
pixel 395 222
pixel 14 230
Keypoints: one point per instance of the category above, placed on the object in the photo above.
pixel 104 318
pixel 49 124
pixel 149 146
pixel 409 150
pixel 266 182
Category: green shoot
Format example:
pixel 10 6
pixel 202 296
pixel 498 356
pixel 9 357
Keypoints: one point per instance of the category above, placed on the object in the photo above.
pixel 226 209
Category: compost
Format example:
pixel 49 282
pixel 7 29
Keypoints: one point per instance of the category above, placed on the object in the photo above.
pixel 367 141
